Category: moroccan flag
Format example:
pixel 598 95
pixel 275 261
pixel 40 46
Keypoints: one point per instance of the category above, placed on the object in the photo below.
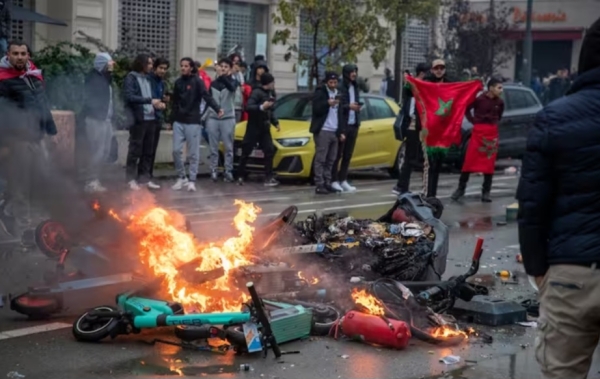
pixel 441 108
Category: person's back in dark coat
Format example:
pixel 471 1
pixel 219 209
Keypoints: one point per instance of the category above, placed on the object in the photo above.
pixel 559 220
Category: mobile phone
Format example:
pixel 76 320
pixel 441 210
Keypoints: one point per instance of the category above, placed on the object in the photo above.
pixel 271 99
pixel 360 103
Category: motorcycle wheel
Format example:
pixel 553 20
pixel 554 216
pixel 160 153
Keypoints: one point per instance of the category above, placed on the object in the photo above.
pixel 94 329
pixel 235 336
pixel 325 317
pixel 35 306
pixel 192 333
pixel 51 238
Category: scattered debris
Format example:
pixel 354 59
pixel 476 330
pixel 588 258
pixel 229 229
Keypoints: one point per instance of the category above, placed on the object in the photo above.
pixel 519 258
pixel 450 359
pixel 510 170
pixel 14 375
pixel 245 367
pixel 501 223
pixel 503 273
pixel 345 356
pixel 528 324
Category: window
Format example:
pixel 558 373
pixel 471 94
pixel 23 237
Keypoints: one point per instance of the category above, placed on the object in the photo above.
pixel 293 108
pixel 379 109
pixel 149 26
pixel 22 30
pixel 244 29
pixel 520 99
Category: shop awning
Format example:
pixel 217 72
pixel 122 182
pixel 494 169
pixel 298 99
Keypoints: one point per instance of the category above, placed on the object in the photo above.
pixel 24 14
pixel 547 35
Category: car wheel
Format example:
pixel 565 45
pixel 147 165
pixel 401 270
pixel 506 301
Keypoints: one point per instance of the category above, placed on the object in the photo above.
pixel 398 162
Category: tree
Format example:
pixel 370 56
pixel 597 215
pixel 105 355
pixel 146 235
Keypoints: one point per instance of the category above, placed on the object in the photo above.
pixel 476 37
pixel 339 29
pixel 397 12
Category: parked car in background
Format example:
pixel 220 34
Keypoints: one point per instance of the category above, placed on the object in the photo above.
pixel 376 146
pixel 520 107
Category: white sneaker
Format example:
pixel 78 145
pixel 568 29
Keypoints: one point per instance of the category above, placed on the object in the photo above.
pixel 346 187
pixel 179 184
pixel 153 185
pixel 336 186
pixel 94 186
pixel 191 187
pixel 134 186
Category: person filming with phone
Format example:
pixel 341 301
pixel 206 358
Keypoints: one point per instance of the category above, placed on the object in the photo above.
pixel 351 106
pixel 261 117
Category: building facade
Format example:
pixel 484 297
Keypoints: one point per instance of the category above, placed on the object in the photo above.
pixel 558 27
pixel 200 29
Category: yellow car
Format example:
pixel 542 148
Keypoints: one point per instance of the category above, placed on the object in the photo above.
pixel 376 146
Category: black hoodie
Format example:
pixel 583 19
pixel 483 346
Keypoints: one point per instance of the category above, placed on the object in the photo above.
pixel 344 88
pixel 254 83
pixel 188 93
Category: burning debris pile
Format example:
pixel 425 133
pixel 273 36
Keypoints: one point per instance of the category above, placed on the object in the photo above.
pixel 372 249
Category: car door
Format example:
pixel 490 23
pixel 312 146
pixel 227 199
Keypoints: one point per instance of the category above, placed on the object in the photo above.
pixel 521 108
pixel 362 155
pixel 382 148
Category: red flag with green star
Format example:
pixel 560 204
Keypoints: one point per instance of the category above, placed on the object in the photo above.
pixel 441 108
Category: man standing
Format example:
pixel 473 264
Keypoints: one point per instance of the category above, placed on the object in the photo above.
pixel 411 130
pixel 258 129
pixel 328 131
pixel 188 92
pixel 5 26
pixel 483 146
pixel 99 111
pixel 142 106
pixel 221 127
pixel 558 220
pixel 239 92
pixel 26 120
pixel 157 78
pixel 351 107
pixel 438 75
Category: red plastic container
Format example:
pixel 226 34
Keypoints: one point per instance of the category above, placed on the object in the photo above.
pixel 375 330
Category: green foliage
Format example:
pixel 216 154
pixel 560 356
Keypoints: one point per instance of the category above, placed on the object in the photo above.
pixel 345 27
pixel 397 11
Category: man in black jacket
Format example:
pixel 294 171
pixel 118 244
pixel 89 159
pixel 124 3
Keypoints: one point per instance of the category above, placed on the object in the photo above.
pixel 559 222
pixel 188 93
pixel 159 90
pixel 98 110
pixel 328 130
pixel 351 119
pixel 411 130
pixel 258 129
pixel 142 106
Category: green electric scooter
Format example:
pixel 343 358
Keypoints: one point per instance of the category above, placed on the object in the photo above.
pixel 135 313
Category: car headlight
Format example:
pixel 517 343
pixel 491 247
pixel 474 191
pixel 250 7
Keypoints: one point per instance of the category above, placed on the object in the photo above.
pixel 293 142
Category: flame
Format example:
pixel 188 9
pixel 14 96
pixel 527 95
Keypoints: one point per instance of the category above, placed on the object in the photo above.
pixel 314 280
pixel 369 302
pixel 164 248
pixel 96 205
pixel 172 368
pixel 448 332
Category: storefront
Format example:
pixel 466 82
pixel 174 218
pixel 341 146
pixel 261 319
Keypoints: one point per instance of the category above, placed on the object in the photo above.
pixel 558 28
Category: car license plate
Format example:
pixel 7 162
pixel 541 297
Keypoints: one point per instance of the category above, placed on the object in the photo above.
pixel 254 154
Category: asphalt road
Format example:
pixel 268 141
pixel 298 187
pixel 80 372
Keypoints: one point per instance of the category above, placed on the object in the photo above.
pixel 53 354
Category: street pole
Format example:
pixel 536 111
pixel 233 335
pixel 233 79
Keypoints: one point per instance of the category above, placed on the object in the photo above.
pixel 527 53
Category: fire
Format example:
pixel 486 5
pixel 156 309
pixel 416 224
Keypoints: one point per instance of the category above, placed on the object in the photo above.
pixel 447 332
pixel 164 248
pixel 312 281
pixel 369 302
pixel 96 205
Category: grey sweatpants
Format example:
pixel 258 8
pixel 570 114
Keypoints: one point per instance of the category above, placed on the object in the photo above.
pixel 189 134
pixel 221 130
pixel 99 135
pixel 326 152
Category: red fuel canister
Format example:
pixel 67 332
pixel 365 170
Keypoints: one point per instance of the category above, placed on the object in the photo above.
pixel 375 330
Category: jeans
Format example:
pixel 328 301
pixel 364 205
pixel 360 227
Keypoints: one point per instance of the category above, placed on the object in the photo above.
pixel 412 148
pixel 265 142
pixel 325 156
pixel 139 154
pixel 99 134
pixel 190 135
pixel 221 130
pixel 339 172
pixel 157 130
pixel 435 166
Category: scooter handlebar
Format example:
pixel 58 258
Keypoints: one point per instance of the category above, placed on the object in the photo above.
pixel 478 249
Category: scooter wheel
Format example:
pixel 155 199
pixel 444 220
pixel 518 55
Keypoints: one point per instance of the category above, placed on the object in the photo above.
pixel 35 306
pixel 51 238
pixel 235 336
pixel 93 329
pixel 325 317
pixel 192 333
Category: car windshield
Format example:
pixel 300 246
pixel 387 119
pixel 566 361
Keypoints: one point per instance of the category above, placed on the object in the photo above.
pixel 293 107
